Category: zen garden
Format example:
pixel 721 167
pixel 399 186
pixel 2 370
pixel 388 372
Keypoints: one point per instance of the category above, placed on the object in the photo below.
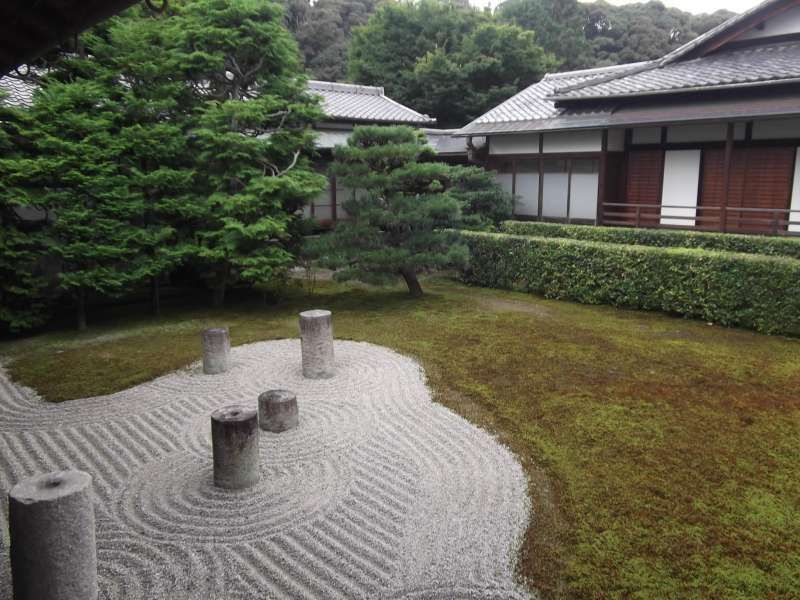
pixel 399 299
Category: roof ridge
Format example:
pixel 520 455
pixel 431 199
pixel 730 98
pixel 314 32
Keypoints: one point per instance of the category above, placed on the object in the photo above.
pixel 674 55
pixel 345 88
pixel 621 71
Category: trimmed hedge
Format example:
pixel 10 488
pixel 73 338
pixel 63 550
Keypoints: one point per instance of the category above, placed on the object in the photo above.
pixel 673 238
pixel 757 292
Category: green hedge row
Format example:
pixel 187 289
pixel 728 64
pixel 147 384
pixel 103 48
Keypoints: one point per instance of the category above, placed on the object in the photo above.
pixel 757 292
pixel 729 242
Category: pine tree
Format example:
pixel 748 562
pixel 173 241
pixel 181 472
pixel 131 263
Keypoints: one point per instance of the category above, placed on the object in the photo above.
pixel 402 216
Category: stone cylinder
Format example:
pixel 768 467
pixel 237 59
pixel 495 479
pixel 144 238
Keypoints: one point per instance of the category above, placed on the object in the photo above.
pixel 216 350
pixel 277 411
pixel 52 529
pixel 316 342
pixel 234 442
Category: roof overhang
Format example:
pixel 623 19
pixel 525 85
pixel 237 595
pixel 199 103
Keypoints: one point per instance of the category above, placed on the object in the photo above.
pixel 677 111
pixel 28 28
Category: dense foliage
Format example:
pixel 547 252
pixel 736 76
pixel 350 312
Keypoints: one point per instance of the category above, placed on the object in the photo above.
pixel 323 30
pixel 448 61
pixel 664 238
pixel 600 34
pixel 167 140
pixel 757 292
pixel 402 216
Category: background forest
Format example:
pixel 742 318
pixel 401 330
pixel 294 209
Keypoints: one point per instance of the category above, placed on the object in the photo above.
pixel 455 62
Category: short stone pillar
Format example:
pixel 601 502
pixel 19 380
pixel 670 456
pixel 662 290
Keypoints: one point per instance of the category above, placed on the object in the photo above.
pixel 277 411
pixel 234 442
pixel 53 549
pixel 316 342
pixel 216 350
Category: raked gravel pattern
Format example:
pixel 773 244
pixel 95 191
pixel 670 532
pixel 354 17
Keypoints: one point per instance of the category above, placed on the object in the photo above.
pixel 378 493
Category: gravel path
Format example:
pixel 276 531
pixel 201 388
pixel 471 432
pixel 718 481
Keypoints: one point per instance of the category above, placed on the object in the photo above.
pixel 379 493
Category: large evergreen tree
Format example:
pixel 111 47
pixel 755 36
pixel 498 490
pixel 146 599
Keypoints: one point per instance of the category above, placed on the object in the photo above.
pixel 402 215
pixel 23 245
pixel 74 171
pixel 252 136
pixel 159 115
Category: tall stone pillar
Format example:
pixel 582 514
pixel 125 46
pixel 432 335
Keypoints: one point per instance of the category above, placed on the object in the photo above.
pixel 52 528
pixel 234 442
pixel 216 350
pixel 316 341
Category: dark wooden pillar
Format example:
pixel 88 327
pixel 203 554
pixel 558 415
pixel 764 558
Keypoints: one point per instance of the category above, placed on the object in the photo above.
pixel 726 175
pixel 601 179
pixel 540 191
pixel 333 197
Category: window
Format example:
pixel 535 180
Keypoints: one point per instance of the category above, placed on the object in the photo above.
pixel 555 189
pixel 583 188
pixel 526 202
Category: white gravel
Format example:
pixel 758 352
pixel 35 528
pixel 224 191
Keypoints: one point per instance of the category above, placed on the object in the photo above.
pixel 379 493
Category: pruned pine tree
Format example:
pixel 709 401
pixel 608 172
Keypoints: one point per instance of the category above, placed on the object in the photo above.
pixel 402 216
pixel 252 139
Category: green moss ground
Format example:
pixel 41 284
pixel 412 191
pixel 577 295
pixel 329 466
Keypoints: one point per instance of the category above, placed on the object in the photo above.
pixel 663 454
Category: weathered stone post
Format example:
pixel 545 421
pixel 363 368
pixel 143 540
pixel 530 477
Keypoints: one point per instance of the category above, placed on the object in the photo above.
pixel 52 528
pixel 234 442
pixel 277 411
pixel 316 342
pixel 216 350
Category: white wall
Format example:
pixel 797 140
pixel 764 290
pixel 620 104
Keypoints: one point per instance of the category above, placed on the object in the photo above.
pixel 554 195
pixel 785 23
pixel 526 202
pixel 681 181
pixel 795 204
pixel 775 129
pixel 505 180
pixel 328 138
pixel 521 143
pixel 573 141
pixel 583 196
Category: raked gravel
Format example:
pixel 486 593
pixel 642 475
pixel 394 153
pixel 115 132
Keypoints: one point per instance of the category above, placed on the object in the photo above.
pixel 378 493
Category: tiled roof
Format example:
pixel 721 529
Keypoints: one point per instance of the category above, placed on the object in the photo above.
pixel 341 101
pixel 748 65
pixel 349 102
pixel 19 92
pixel 533 104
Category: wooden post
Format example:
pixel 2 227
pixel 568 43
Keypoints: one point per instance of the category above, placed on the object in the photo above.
pixel 601 179
pixel 332 182
pixel 726 175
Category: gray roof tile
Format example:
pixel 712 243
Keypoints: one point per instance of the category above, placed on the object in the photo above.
pixel 18 92
pixel 748 65
pixel 349 102
pixel 533 103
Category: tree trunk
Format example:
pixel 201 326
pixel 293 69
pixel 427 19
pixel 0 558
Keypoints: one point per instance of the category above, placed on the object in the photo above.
pixel 156 296
pixel 218 299
pixel 220 285
pixel 80 302
pixel 414 288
